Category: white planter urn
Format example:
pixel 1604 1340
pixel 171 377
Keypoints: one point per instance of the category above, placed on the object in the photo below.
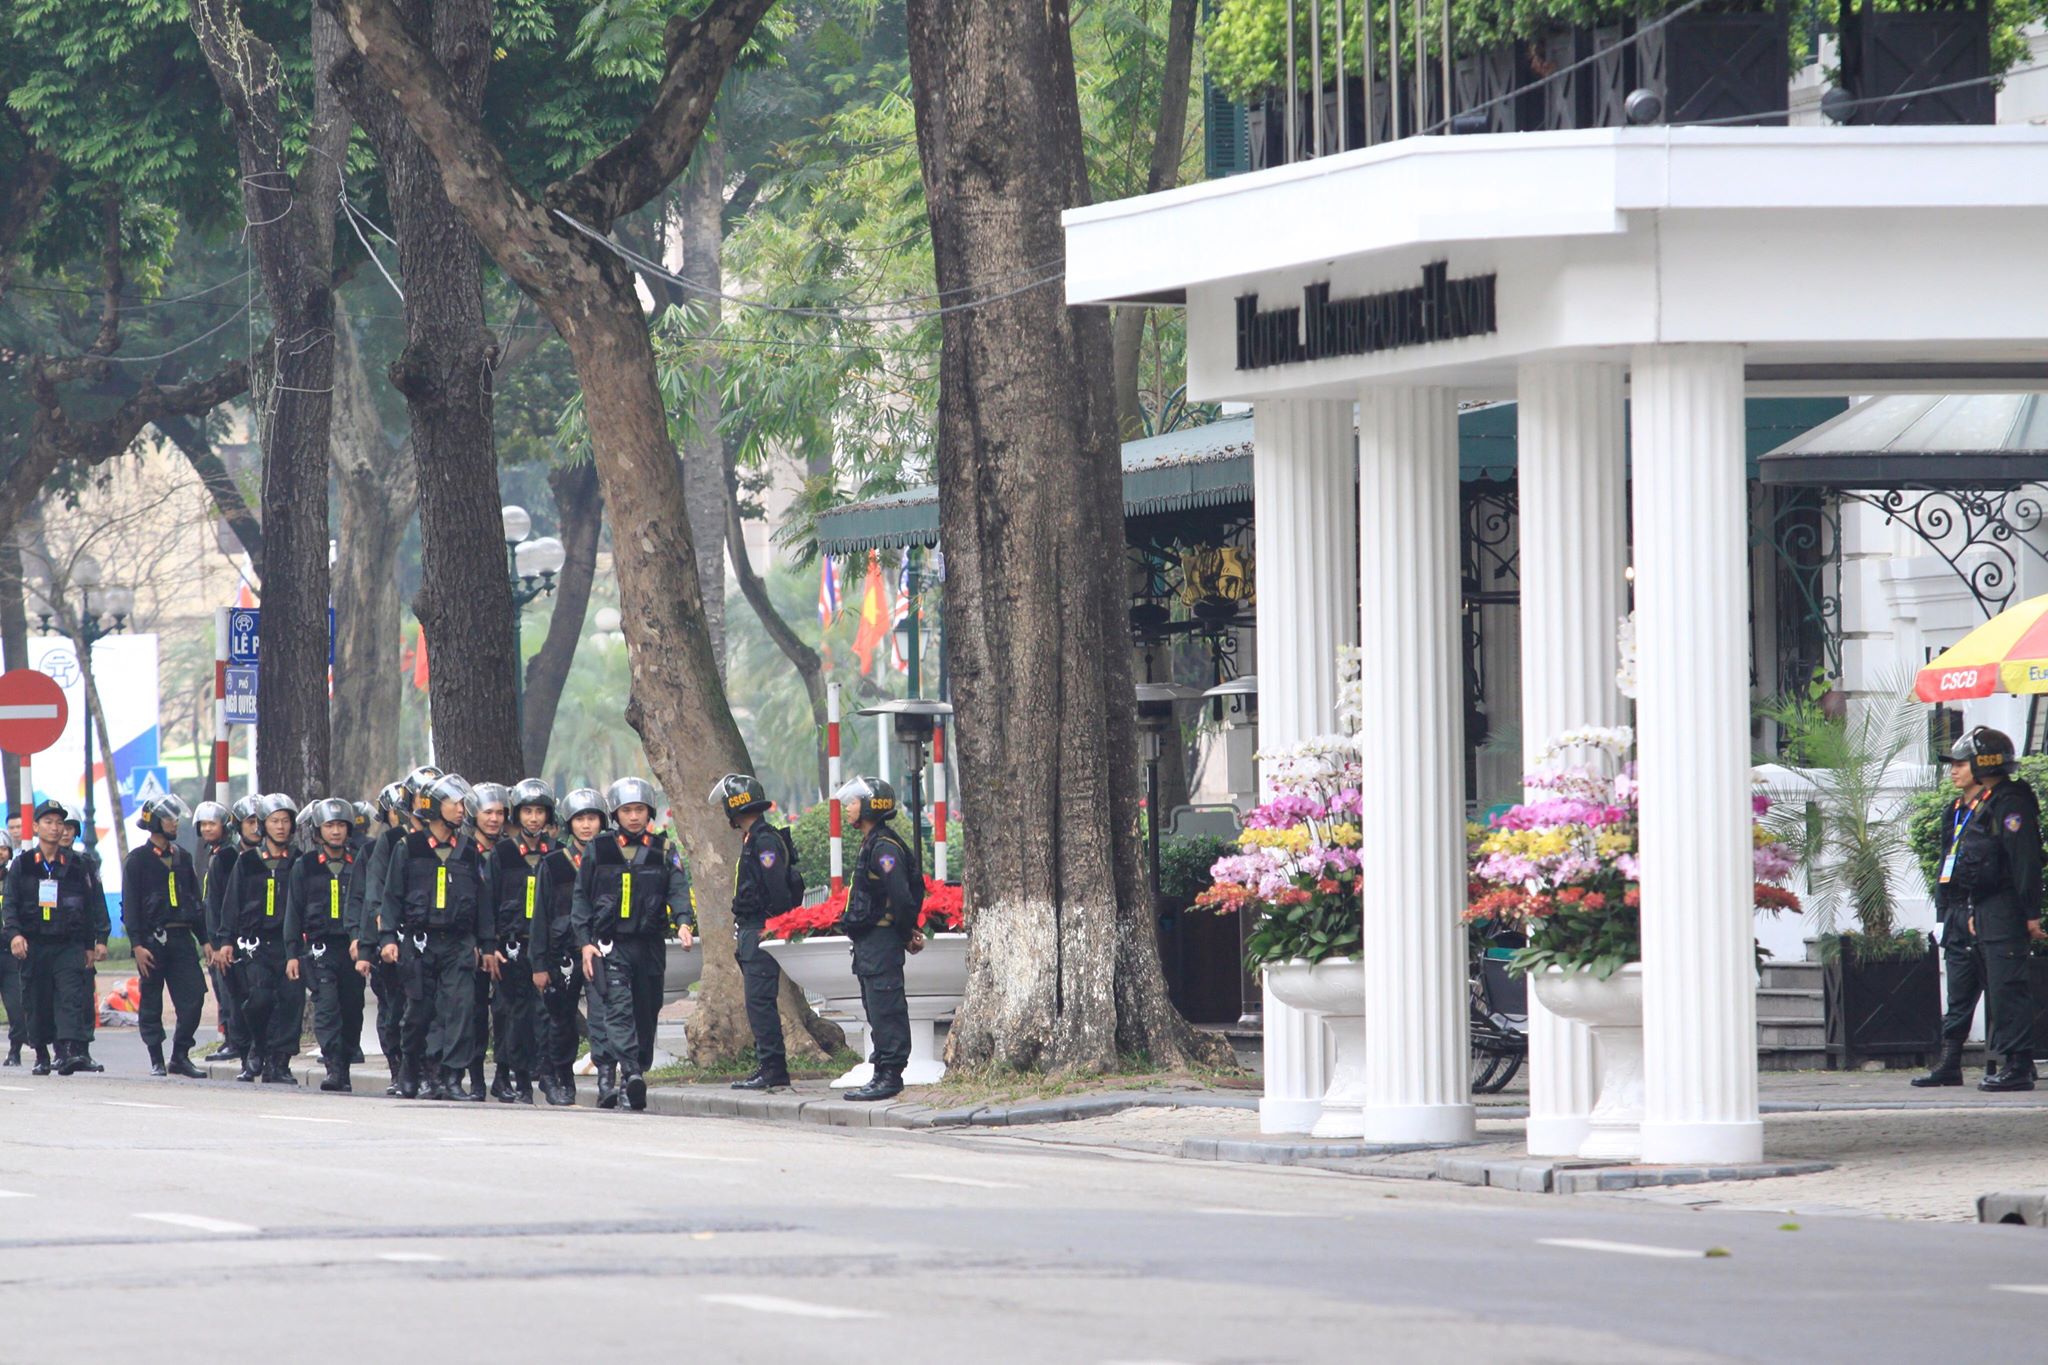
pixel 933 981
pixel 1334 991
pixel 1613 1010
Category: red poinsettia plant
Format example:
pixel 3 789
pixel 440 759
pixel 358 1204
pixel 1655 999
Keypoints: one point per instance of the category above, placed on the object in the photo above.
pixel 945 911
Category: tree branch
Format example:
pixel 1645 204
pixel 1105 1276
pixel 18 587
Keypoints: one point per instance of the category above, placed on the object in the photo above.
pixel 190 438
pixel 22 197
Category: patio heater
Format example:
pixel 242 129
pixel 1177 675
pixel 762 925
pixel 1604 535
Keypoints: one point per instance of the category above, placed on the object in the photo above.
pixel 1237 702
pixel 1156 721
pixel 912 720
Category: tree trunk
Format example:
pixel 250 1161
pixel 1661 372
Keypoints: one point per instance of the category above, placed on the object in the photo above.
pixel 700 205
pixel 375 479
pixel 801 656
pixel 1063 960
pixel 1128 329
pixel 579 507
pixel 189 437
pixel 464 603
pixel 290 226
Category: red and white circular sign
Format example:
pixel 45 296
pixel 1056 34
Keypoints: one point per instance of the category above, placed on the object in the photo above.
pixel 32 711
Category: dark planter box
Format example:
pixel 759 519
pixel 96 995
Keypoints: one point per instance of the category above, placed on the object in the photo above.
pixel 1887 1008
pixel 1897 52
pixel 2037 979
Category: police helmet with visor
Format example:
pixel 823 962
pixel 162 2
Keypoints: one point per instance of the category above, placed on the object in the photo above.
pixel 867 798
pixel 738 794
pixel 162 815
pixel 631 791
pixel 583 801
pixel 1989 753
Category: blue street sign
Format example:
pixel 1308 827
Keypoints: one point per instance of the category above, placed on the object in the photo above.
pixel 241 695
pixel 146 784
pixel 245 635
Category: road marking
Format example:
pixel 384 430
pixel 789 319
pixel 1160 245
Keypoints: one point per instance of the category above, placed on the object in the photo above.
pixel 410 1257
pixel 14 1194
pixel 136 1104
pixel 18 1089
pixel 1265 1213
pixel 1620 1248
pixel 793 1308
pixel 957 1180
pixel 2022 1288
pixel 301 1118
pixel 693 1156
pixel 198 1222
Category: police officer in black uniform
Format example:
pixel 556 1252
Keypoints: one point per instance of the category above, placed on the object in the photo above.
pixel 632 895
pixel 489 811
pixel 10 970
pixel 439 905
pixel 246 832
pixel 56 927
pixel 252 920
pixel 761 881
pixel 524 890
pixel 164 913
pixel 582 813
pixel 884 897
pixel 321 912
pixel 1990 900
pixel 395 803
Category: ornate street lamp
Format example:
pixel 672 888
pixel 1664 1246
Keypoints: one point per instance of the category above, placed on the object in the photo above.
pixel 913 720
pixel 531 566
pixel 104 609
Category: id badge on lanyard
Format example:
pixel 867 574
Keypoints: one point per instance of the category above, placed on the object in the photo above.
pixel 46 896
pixel 1955 843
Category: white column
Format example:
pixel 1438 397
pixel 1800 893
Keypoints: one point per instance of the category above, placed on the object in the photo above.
pixel 1574 551
pixel 1692 747
pixel 1417 1069
pixel 1302 489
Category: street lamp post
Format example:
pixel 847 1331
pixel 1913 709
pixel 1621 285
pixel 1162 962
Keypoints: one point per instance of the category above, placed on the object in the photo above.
pixel 913 720
pixel 531 566
pixel 103 611
pixel 1156 719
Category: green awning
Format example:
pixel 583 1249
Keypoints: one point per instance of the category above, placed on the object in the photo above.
pixel 1211 466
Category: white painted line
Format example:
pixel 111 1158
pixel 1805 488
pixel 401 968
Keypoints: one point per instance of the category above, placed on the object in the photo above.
pixel 14 1194
pixel 1265 1213
pixel 957 1180
pixel 198 1222
pixel 692 1156
pixel 18 1089
pixel 1619 1248
pixel 301 1118
pixel 2022 1288
pixel 33 711
pixel 136 1104
pixel 792 1308
pixel 410 1257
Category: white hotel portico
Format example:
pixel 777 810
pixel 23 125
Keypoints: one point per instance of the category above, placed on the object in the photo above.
pixel 1677 272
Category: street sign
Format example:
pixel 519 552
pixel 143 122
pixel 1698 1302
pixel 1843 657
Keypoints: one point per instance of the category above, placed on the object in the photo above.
pixel 32 711
pixel 245 635
pixel 245 626
pixel 147 784
pixel 241 695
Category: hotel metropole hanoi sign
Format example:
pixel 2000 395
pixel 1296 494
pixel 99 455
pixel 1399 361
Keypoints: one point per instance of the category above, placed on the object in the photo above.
pixel 1439 309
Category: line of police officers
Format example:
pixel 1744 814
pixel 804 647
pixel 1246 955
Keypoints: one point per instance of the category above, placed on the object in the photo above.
pixel 478 916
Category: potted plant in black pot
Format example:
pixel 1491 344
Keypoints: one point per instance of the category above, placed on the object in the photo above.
pixel 1851 836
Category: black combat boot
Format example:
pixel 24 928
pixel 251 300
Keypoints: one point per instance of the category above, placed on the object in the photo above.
pixel 501 1085
pixel 13 1055
pixel 42 1066
pixel 607 1085
pixel 405 1080
pixel 764 1080
pixel 551 1086
pixel 441 1084
pixel 65 1064
pixel 635 1087
pixel 476 1090
pixel 156 1060
pixel 522 1087
pixel 81 1053
pixel 252 1068
pixel 228 1052
pixel 1947 1071
pixel 181 1065
pixel 337 1079
pixel 886 1084
pixel 2016 1074
pixel 278 1070
pixel 566 1075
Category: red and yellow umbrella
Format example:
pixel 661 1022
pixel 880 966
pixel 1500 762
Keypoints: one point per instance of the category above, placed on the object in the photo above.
pixel 2008 653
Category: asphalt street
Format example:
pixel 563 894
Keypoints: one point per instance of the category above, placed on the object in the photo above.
pixel 208 1221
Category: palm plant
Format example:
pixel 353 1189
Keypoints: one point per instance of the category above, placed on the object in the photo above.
pixel 1845 826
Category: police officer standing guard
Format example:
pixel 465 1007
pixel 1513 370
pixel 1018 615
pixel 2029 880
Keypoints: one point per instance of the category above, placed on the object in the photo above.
pixel 632 895
pixel 10 970
pixel 436 890
pixel 582 812
pixel 251 931
pixel 56 927
pixel 1990 900
pixel 883 901
pixel 394 803
pixel 761 882
pixel 320 910
pixel 164 914
pixel 246 833
pixel 524 889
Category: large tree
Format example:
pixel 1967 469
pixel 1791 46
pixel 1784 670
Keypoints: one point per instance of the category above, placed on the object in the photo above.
pixel 548 243
pixel 1063 962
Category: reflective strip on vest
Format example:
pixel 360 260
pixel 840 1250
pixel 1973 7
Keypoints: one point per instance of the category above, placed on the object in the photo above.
pixel 441 887
pixel 270 899
pixel 174 889
pixel 626 895
pixel 334 897
pixel 529 896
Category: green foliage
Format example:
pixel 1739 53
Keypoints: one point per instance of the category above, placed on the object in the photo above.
pixel 1309 923
pixel 1184 865
pixel 1601 942
pixel 812 835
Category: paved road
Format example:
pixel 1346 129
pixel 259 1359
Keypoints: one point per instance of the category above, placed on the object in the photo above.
pixel 360 1229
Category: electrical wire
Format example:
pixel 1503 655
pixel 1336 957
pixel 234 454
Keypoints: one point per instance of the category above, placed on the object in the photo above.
pixel 133 307
pixel 349 211
pixel 161 355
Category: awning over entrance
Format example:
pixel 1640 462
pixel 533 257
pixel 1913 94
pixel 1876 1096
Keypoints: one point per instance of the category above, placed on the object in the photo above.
pixel 1970 440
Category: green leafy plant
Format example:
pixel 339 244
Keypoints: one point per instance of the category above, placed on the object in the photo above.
pixel 1184 865
pixel 1314 919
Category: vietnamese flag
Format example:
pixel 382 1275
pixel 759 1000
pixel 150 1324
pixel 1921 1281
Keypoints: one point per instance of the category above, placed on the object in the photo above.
pixel 874 615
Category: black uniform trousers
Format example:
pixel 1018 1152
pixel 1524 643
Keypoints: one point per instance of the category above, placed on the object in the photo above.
pixel 628 994
pixel 515 1014
pixel 761 975
pixel 387 983
pixel 479 1019
pixel 177 967
pixel 558 1018
pixel 878 965
pixel 439 971
pixel 11 998
pixel 234 1029
pixel 57 989
pixel 2008 1001
pixel 1962 964
pixel 337 989
pixel 273 1005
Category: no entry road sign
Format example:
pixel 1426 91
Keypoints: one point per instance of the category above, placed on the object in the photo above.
pixel 32 711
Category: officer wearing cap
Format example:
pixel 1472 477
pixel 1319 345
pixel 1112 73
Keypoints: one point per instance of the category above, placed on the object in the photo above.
pixel 320 913
pixel 10 970
pixel 56 927
pixel 884 897
pixel 582 813
pixel 252 934
pixel 1989 895
pixel 524 890
pixel 246 832
pixel 761 889
pixel 164 912
pixel 437 909
pixel 632 895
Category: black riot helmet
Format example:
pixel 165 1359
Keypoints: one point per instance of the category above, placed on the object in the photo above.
pixel 583 801
pixel 534 792
pixel 419 785
pixel 392 798
pixel 867 798
pixel 739 794
pixel 162 815
pixel 1989 753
